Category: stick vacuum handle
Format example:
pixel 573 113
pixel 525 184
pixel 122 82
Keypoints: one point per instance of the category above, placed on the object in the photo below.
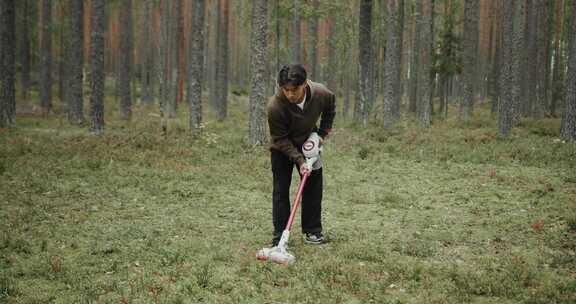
pixel 297 200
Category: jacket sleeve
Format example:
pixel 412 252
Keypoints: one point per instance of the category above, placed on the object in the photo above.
pixel 279 135
pixel 328 114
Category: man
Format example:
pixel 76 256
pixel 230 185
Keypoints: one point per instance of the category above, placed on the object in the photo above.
pixel 292 116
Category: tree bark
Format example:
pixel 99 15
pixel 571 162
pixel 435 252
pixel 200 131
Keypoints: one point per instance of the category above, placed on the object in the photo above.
pixel 148 55
pixel 363 104
pixel 26 59
pixel 222 65
pixel 196 67
pixel 126 48
pixel 557 73
pixel 295 36
pixel 313 34
pixel 46 57
pixel 425 63
pixel 75 67
pixel 392 65
pixel 414 64
pixel 97 66
pixel 568 131
pixel 7 56
pixel 471 12
pixel 257 126
pixel 511 76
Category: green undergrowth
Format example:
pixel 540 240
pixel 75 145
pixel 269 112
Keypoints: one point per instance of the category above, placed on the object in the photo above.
pixel 452 214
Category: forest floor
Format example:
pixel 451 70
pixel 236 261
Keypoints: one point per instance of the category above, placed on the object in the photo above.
pixel 447 215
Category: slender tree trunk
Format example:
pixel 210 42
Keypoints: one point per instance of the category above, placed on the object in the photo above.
pixel 180 60
pixel 62 54
pixel 212 52
pixel 257 126
pixel 26 49
pixel 361 113
pixel 557 73
pixel 425 63
pixel 46 57
pixel 511 76
pixel 313 36
pixel 398 89
pixel 97 66
pixel 148 55
pixel 126 48
pixel 392 65
pixel 347 83
pixel 223 62
pixel 414 64
pixel 196 67
pixel 172 67
pixel 7 56
pixel 295 36
pixel 493 90
pixel 75 54
pixel 568 131
pixel 471 12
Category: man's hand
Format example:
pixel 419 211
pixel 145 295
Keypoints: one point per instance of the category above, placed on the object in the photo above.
pixel 305 168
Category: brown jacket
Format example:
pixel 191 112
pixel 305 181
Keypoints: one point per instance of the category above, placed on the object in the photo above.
pixel 290 126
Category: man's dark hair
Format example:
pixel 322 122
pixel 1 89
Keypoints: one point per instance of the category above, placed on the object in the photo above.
pixel 294 74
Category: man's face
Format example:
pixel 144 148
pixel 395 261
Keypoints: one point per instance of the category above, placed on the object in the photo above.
pixel 295 94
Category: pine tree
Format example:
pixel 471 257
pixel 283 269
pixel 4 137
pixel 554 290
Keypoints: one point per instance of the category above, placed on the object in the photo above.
pixel 392 64
pixel 257 126
pixel 75 62
pixel 425 62
pixel 97 66
pixel 362 107
pixel 46 57
pixel 126 48
pixel 7 55
pixel 196 67
pixel 222 66
pixel 471 13
pixel 568 130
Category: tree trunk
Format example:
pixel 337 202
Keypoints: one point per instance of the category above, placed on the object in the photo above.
pixel 295 36
pixel 126 48
pixel 172 66
pixel 257 127
pixel 493 90
pixel 148 55
pixel 414 65
pixel 470 41
pixel 425 63
pixel 7 56
pixel 392 65
pixel 180 55
pixel 97 66
pixel 347 83
pixel 400 30
pixel 222 65
pixel 76 63
pixel 46 57
pixel 363 104
pixel 313 34
pixel 26 49
pixel 557 73
pixel 196 67
pixel 568 131
pixel 62 17
pixel 511 76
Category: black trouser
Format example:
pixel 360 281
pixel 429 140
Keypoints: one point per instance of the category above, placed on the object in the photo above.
pixel 311 205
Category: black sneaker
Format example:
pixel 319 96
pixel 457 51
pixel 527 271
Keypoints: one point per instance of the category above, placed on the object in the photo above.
pixel 276 240
pixel 314 238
